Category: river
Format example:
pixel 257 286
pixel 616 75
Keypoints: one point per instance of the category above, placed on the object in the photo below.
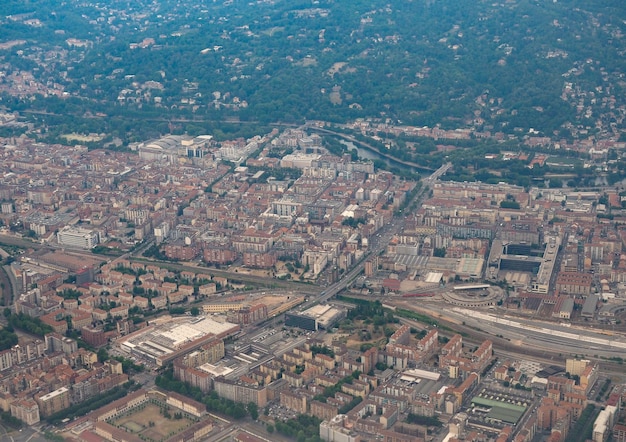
pixel 368 154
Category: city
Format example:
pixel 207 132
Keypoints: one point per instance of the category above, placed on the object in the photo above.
pixel 269 221
pixel 182 271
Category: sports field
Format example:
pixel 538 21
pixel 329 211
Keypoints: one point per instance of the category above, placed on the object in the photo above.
pixel 150 422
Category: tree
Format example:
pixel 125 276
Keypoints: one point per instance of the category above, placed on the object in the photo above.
pixel 8 339
pixel 103 355
pixel 195 311
pixel 509 205
pixel 253 410
pixel 270 429
pixel 555 183
pixel 423 420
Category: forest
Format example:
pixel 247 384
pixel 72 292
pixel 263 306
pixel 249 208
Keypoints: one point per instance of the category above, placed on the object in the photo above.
pixel 509 66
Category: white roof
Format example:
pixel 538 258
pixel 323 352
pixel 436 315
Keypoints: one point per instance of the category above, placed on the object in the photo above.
pixel 433 277
pixel 54 393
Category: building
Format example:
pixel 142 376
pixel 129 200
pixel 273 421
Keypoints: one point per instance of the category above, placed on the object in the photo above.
pixel 295 401
pixel 465 231
pixel 25 410
pixel 181 251
pixel 111 433
pixel 565 309
pixel 461 365
pixel 259 260
pixel 21 353
pixel 619 433
pixel 589 307
pixel 193 376
pixel 120 406
pixel 220 307
pixel 245 437
pixel 117 408
pixel 56 342
pixel 319 316
pixel 240 391
pixel 335 431
pixel 300 321
pixel 589 376
pixel 185 367
pixel 574 283
pixel 209 353
pixel 219 255
pixel 56 320
pixel 94 336
pixel 186 404
pixel 53 402
pixel 165 342
pixel 250 315
pixel 576 367
pixel 78 237
pixel 602 427
pixel 323 410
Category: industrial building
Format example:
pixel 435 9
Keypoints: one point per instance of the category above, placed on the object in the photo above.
pixel 162 343
pixel 300 321
pixel 316 317
pixel 590 305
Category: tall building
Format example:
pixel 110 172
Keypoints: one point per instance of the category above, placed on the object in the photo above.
pixel 94 336
pixel 208 353
pixel 78 237
pixel 56 342
pixel 50 403
pixel 250 315
pixel 240 391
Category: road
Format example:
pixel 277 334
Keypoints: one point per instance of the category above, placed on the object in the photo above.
pixel 26 434
pixel 377 245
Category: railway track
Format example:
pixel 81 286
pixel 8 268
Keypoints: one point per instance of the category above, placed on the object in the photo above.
pixel 503 347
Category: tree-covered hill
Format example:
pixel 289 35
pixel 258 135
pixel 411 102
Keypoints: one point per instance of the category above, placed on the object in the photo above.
pixel 553 66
